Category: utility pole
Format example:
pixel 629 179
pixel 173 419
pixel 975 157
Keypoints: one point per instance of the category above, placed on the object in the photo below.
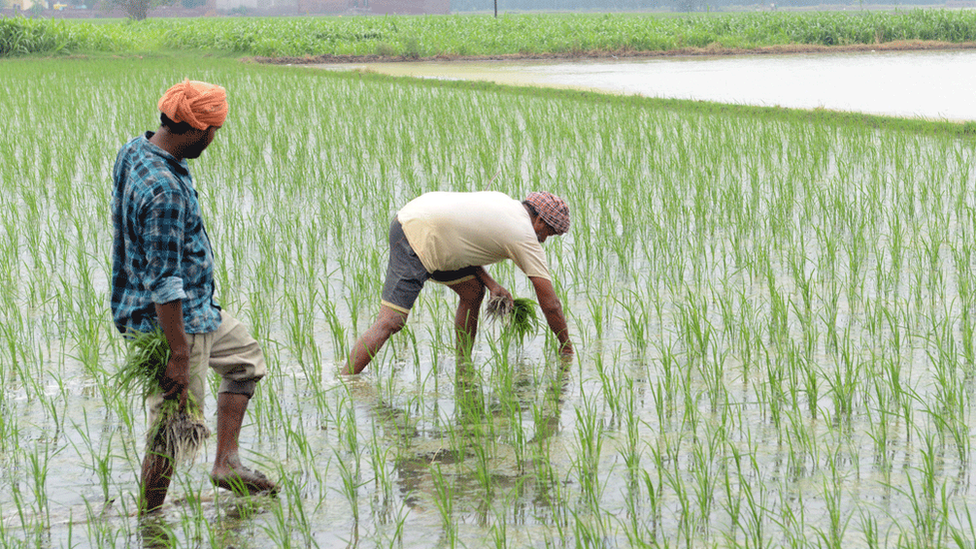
pixel 496 9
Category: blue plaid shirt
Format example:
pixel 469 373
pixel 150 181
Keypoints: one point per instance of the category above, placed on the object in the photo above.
pixel 160 251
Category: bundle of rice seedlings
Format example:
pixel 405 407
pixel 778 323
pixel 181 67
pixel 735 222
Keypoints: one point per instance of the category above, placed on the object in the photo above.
pixel 498 307
pixel 518 315
pixel 176 432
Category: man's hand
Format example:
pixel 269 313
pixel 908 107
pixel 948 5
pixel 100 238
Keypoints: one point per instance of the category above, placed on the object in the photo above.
pixel 494 288
pixel 176 380
pixel 499 291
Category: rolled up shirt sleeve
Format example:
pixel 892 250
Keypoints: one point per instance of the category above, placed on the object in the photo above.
pixel 169 289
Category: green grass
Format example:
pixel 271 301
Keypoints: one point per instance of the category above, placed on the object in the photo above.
pixel 773 342
pixel 481 35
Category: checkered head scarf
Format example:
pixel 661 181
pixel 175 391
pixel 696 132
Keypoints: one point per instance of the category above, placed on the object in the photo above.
pixel 552 209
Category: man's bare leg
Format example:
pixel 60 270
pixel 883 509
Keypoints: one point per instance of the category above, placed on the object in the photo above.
pixel 157 471
pixel 228 471
pixel 388 322
pixel 471 292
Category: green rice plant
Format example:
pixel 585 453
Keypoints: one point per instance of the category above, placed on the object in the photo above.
pixel 755 515
pixel 881 436
pixel 869 529
pixel 843 381
pixel 963 535
pixel 833 494
pixel 178 432
pixel 927 527
pixel 445 499
pixel 732 490
pixel 596 305
pixel 351 482
pixel 589 439
pixel 610 386
pixel 631 419
pixel 685 519
pixel 518 316
pixel 381 475
pixel 482 458
pixel 545 475
pixel 635 321
pixel 101 463
pixel 589 530
pixel 704 481
pixel 38 464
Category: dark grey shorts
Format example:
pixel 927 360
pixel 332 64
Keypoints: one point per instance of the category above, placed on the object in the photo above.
pixel 405 273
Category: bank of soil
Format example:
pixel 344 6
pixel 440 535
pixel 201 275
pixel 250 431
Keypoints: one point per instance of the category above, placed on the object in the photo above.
pixel 901 45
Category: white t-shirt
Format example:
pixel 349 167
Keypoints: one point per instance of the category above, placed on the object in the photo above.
pixel 450 231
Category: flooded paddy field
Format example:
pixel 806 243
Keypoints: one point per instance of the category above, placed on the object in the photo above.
pixel 930 84
pixel 773 321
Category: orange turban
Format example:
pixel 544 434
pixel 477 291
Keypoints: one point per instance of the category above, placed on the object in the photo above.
pixel 199 104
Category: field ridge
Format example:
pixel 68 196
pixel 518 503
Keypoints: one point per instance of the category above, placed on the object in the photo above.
pixel 711 50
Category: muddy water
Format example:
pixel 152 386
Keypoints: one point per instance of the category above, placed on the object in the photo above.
pixel 932 85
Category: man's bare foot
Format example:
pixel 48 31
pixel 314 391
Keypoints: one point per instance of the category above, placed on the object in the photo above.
pixel 243 481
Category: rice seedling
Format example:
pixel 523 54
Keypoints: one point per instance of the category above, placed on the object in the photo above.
pixel 588 455
pixel 178 431
pixel 518 315
pixel 445 496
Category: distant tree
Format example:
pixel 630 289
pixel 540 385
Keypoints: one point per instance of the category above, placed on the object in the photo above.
pixel 139 9
pixel 691 5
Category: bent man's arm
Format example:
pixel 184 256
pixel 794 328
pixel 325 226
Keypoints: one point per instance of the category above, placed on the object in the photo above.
pixel 552 308
pixel 494 288
pixel 177 377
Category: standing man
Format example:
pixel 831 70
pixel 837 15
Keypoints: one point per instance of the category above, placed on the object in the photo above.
pixel 449 237
pixel 162 275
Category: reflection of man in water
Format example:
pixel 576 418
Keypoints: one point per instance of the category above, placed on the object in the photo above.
pixel 422 451
pixel 162 275
pixel 449 237
pixel 547 418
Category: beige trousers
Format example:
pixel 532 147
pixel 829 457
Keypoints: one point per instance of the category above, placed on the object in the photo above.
pixel 231 352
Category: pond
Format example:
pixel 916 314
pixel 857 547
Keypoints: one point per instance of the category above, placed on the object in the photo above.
pixel 927 84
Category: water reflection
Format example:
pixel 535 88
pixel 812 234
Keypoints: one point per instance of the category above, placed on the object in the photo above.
pixel 488 459
pixel 924 84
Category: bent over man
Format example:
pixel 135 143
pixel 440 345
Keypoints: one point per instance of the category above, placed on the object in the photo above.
pixel 162 275
pixel 449 237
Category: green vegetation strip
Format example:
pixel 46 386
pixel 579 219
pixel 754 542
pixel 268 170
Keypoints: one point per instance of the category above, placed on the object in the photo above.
pixel 480 35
